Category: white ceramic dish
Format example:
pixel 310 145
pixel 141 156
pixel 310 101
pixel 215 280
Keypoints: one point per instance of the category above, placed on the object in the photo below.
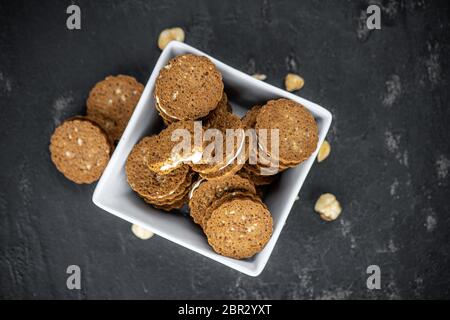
pixel 115 196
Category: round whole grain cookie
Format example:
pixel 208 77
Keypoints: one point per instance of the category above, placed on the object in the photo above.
pixel 239 228
pixel 80 150
pixel 149 184
pixel 208 191
pixel 180 143
pixel 112 101
pixel 298 133
pixel 188 88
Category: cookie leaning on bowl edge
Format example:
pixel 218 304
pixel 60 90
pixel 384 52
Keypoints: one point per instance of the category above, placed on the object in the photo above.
pixel 112 101
pixel 188 88
pixel 298 132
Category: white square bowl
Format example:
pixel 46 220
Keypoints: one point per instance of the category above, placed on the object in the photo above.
pixel 115 196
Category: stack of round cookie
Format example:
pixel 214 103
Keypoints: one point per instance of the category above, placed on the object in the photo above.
pixel 166 191
pixel 296 140
pixel 80 148
pixel 251 170
pixel 178 144
pixel 234 219
pixel 233 153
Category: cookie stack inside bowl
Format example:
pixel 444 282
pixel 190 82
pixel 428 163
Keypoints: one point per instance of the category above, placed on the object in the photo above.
pixel 164 190
pixel 219 184
pixel 232 215
pixel 296 138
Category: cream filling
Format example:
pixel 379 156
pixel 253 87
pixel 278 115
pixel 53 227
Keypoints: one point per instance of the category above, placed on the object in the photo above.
pixel 194 158
pixel 166 195
pixel 161 109
pixel 194 187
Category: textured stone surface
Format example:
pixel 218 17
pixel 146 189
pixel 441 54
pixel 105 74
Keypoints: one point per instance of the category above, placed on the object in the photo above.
pixel 389 166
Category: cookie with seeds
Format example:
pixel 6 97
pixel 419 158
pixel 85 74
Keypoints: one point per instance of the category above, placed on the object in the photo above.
pixel 239 228
pixel 148 184
pixel 298 133
pixel 188 88
pixel 111 103
pixel 80 150
pixel 207 191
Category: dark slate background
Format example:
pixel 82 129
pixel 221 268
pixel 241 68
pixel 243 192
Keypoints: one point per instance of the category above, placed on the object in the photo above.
pixel 388 91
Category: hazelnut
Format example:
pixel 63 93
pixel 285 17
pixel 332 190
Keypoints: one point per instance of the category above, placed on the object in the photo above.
pixel 141 232
pixel 168 35
pixel 324 151
pixel 293 82
pixel 328 207
pixel 259 76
